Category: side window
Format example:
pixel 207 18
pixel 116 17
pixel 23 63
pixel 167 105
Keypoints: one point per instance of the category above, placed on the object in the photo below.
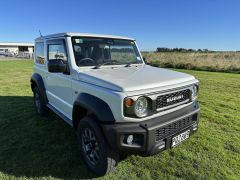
pixel 39 53
pixel 57 51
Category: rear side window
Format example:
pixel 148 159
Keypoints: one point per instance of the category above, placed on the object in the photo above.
pixel 57 50
pixel 39 53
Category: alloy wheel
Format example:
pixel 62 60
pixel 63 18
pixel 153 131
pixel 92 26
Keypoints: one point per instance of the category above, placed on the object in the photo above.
pixel 90 146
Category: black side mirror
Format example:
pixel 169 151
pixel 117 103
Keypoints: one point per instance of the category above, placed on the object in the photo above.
pixel 57 65
pixel 145 60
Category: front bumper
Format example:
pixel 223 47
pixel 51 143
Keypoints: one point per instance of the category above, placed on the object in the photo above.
pixel 154 135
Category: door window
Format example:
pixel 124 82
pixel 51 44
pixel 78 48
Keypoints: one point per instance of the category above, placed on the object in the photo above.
pixel 39 53
pixel 57 50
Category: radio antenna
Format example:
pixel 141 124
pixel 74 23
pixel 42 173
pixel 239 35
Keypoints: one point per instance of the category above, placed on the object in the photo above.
pixel 40 33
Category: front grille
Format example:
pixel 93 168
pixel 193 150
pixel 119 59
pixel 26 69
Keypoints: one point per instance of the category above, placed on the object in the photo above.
pixel 172 98
pixel 170 129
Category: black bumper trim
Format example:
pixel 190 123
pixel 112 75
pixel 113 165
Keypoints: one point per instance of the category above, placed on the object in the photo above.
pixel 145 131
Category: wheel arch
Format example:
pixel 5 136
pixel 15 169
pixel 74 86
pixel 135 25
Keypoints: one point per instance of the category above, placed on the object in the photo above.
pixel 37 81
pixel 87 104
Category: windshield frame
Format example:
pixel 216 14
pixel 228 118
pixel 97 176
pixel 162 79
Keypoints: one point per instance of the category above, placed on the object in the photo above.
pixel 136 49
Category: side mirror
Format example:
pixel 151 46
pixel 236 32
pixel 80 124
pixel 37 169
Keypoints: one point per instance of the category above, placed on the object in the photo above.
pixel 57 66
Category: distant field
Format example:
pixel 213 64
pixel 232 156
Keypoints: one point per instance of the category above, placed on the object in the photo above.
pixel 217 61
pixel 38 148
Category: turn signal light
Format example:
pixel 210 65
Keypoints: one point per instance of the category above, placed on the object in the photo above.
pixel 128 102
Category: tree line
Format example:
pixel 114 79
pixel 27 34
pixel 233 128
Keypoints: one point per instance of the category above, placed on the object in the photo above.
pixel 164 49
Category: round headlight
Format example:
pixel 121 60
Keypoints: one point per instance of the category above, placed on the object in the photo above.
pixel 141 107
pixel 194 92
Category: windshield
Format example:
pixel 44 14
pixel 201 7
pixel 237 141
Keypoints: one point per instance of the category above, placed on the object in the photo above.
pixel 104 51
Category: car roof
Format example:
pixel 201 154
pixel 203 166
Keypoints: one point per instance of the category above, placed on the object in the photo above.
pixel 71 34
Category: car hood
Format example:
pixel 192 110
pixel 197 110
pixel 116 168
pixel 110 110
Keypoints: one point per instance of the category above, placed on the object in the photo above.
pixel 133 78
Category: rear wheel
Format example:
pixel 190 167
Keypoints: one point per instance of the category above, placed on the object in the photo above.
pixel 96 153
pixel 39 104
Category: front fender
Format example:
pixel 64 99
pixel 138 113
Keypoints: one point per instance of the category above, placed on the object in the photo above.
pixel 96 106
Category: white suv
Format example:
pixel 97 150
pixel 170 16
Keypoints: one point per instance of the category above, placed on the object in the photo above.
pixel 102 87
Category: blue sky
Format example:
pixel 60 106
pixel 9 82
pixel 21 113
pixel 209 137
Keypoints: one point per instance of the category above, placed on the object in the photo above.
pixel 212 24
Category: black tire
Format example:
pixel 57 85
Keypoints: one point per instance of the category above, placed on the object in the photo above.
pixel 105 158
pixel 39 104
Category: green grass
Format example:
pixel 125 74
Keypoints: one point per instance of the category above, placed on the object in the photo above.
pixel 33 147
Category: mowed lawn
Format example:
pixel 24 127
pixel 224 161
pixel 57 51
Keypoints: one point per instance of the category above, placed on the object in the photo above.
pixel 34 147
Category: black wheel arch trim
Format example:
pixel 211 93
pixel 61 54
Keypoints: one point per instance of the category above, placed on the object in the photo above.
pixel 96 106
pixel 38 81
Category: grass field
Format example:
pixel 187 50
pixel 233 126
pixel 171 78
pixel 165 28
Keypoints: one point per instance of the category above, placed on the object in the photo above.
pixel 217 61
pixel 32 147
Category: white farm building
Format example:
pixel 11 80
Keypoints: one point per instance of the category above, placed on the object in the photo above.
pixel 16 49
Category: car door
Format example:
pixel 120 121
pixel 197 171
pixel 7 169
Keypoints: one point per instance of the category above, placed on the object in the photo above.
pixel 59 85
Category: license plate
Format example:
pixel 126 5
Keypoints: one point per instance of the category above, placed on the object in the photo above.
pixel 180 138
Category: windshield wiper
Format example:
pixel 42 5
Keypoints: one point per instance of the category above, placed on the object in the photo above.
pixel 105 63
pixel 133 62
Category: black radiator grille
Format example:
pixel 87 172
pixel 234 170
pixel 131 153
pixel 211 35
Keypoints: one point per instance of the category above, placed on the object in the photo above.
pixel 170 129
pixel 172 98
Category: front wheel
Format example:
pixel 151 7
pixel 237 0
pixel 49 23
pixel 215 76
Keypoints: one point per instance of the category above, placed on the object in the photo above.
pixel 96 153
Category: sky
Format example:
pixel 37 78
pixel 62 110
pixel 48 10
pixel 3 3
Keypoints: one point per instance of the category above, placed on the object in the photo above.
pixel 204 24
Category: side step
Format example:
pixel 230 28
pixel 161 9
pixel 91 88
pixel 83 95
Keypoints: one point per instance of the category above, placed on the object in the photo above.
pixel 61 115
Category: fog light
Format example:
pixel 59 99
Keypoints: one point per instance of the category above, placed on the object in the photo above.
pixel 161 145
pixel 195 127
pixel 130 139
